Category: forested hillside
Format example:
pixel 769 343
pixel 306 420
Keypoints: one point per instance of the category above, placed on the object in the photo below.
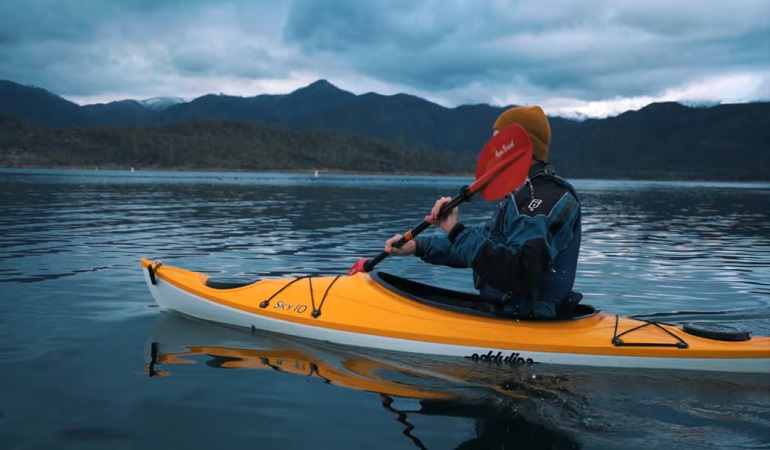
pixel 322 126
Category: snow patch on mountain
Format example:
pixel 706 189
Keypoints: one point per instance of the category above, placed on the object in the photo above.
pixel 160 103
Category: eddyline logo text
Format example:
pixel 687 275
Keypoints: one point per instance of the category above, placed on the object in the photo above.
pixel 512 359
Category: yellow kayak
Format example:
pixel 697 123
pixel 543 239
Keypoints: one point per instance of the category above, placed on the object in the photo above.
pixel 384 311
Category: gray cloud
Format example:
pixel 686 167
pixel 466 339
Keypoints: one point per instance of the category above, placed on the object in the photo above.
pixel 588 50
pixel 451 51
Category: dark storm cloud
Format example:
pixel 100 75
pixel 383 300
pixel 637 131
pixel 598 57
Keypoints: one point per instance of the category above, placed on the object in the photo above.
pixel 462 51
pixel 426 44
pixel 597 48
pixel 91 46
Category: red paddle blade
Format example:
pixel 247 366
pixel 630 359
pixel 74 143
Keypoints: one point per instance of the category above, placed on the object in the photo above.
pixel 357 267
pixel 503 163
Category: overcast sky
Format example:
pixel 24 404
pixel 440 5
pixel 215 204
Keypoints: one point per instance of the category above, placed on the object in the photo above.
pixel 592 57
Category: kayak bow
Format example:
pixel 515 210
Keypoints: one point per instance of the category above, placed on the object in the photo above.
pixel 383 311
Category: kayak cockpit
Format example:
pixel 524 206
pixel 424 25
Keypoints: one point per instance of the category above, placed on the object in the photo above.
pixel 468 302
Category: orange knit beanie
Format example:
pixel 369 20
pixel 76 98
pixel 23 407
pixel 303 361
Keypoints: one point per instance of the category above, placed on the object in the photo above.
pixel 533 119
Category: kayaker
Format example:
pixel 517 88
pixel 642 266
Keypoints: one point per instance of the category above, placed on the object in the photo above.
pixel 525 257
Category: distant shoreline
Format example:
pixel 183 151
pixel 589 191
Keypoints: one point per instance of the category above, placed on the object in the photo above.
pixel 321 172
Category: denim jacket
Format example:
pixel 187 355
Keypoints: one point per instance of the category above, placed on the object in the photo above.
pixel 528 250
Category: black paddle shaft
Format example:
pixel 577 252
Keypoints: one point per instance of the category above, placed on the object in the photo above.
pixel 464 195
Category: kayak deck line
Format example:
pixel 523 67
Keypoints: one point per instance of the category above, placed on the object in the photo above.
pixel 371 310
pixel 618 342
pixel 316 312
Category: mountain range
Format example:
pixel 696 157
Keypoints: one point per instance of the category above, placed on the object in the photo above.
pixel 662 140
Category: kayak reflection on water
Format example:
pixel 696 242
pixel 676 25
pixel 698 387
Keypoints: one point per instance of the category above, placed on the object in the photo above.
pixel 431 387
pixel 511 405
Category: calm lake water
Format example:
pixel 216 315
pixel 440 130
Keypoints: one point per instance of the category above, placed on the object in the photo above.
pixel 88 362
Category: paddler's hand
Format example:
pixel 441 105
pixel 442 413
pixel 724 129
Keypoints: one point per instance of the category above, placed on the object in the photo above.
pixel 407 249
pixel 446 222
